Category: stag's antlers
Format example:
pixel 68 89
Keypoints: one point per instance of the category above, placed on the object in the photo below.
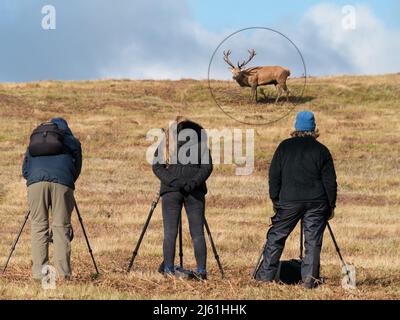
pixel 226 58
pixel 252 53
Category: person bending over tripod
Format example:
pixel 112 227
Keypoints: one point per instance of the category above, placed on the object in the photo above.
pixel 183 164
pixel 51 166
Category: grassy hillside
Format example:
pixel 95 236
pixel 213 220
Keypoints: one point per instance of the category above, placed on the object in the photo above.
pixel 359 121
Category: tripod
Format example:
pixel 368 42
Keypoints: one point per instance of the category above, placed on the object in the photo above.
pixel 22 228
pixel 345 266
pixel 86 238
pixel 153 206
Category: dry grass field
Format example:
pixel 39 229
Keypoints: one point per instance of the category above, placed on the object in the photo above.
pixel 359 121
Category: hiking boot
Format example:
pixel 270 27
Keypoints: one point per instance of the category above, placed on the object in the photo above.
pixel 182 273
pixel 161 268
pixel 200 276
pixel 169 272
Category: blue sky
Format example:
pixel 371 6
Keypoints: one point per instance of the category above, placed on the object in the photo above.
pixel 174 39
pixel 222 14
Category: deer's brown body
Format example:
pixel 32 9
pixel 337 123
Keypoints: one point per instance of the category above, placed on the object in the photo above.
pixel 259 76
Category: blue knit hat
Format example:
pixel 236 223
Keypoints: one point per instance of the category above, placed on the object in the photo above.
pixel 305 121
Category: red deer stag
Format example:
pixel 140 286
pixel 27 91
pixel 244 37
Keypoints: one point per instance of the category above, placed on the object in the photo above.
pixel 259 76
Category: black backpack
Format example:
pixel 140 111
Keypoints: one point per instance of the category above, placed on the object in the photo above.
pixel 289 271
pixel 46 140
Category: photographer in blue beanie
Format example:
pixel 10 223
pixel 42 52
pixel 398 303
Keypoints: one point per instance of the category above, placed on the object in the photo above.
pixel 302 186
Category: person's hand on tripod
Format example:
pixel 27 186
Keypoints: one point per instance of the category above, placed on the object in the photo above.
pixel 332 214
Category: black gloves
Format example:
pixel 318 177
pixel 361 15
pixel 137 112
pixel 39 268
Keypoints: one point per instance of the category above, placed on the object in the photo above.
pixel 184 186
pixel 189 186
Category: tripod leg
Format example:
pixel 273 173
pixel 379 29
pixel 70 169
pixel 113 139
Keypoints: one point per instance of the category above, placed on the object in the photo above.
pixel 301 239
pixel 259 261
pixel 336 246
pixel 180 242
pixel 214 248
pixel 86 237
pixel 21 228
pixel 350 277
pixel 135 252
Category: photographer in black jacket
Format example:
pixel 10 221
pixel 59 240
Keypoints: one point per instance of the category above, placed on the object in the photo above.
pixel 302 186
pixel 183 168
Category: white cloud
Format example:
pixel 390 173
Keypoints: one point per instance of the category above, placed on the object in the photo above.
pixel 327 47
pixel 183 52
pixel 160 39
pixel 330 48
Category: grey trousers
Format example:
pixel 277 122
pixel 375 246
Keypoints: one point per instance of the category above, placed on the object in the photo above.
pixel 172 203
pixel 314 217
pixel 41 197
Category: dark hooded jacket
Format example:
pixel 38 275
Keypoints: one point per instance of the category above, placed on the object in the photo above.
pixel 64 168
pixel 197 172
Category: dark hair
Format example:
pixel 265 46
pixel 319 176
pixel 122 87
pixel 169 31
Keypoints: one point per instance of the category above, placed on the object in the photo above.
pixel 188 124
pixel 182 123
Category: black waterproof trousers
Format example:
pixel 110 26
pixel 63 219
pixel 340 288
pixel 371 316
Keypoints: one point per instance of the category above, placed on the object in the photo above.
pixel 314 217
pixel 172 203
